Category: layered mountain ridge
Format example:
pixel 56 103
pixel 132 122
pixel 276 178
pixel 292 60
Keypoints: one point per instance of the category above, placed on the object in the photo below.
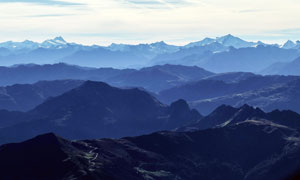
pixel 155 78
pixel 94 110
pixel 236 89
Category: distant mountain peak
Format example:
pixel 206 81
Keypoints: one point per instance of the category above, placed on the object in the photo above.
pixel 228 36
pixel 59 38
pixel 160 43
pixel 56 42
pixel 289 44
pixel 236 42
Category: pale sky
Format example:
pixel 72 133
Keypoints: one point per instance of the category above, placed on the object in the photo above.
pixel 143 21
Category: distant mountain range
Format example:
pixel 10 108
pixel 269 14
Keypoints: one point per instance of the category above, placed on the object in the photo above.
pixel 153 79
pixel 250 145
pixel 222 54
pixel 249 59
pixel 95 110
pixel 203 90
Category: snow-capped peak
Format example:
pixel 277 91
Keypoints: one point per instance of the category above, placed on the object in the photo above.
pixel 230 40
pixel 160 43
pixel 60 40
pixel 56 42
pixel 289 44
pixel 228 37
pixel 227 41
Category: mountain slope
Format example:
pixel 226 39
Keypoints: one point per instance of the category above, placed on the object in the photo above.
pixel 231 77
pixel 253 150
pixel 281 96
pixel 95 110
pixel 289 68
pixel 221 85
pixel 226 115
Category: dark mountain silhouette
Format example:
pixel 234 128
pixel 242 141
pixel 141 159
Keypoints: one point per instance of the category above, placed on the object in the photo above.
pixel 250 150
pixel 24 97
pixel 95 110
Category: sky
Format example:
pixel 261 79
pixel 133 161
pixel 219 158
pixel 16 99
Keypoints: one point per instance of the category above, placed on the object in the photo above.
pixel 143 21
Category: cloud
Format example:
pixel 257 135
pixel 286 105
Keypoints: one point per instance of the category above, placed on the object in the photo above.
pixel 157 4
pixel 291 33
pixel 48 15
pixel 43 2
pixel 250 11
pixel 130 21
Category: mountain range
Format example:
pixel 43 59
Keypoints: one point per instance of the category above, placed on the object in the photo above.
pixel 266 92
pixel 204 90
pixel 222 54
pixel 253 146
pixel 282 96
